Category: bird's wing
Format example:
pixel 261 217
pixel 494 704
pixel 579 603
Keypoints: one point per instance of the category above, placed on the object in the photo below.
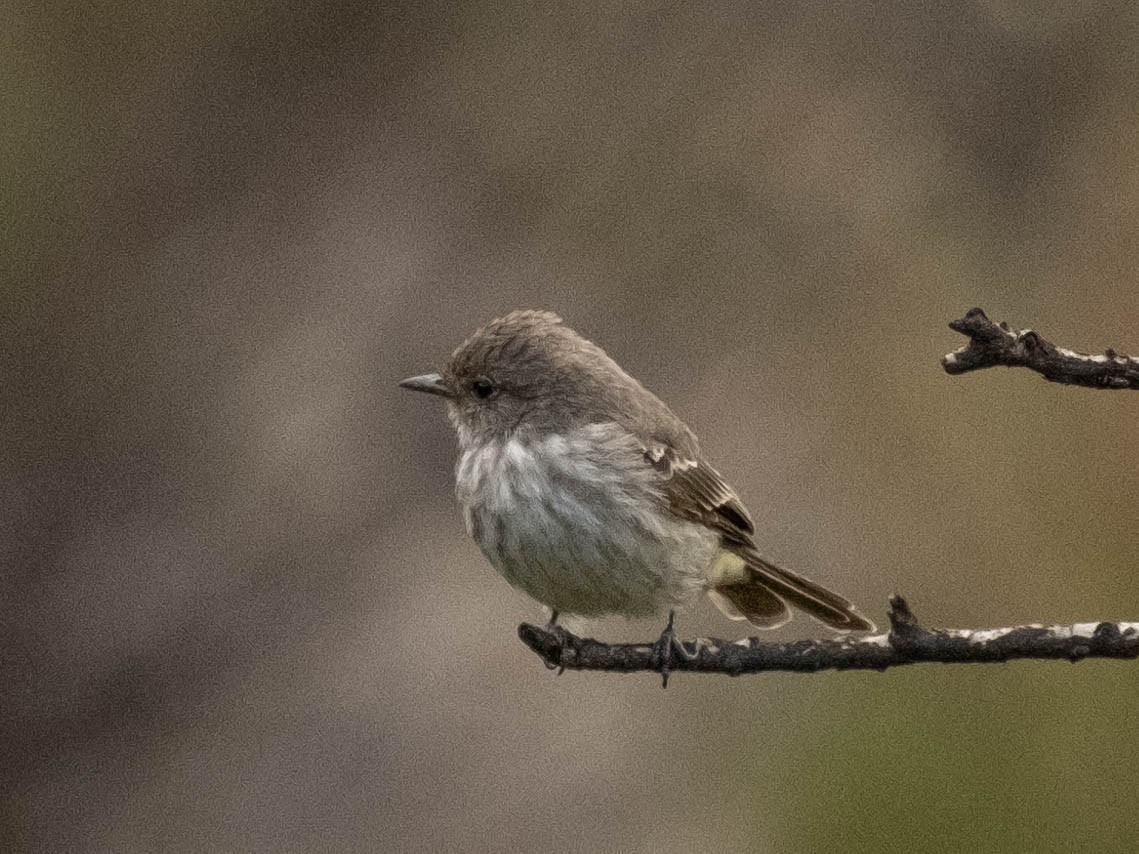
pixel 696 492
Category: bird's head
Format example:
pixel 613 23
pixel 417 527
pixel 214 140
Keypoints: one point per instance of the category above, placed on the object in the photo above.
pixel 526 370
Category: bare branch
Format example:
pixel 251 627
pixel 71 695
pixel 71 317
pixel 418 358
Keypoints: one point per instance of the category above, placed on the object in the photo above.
pixel 992 344
pixel 906 643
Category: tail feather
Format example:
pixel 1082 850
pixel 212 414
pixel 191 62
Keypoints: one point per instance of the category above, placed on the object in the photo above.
pixel 751 588
pixel 814 599
pixel 746 600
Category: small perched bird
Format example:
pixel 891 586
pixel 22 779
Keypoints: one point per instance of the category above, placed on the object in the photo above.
pixel 586 492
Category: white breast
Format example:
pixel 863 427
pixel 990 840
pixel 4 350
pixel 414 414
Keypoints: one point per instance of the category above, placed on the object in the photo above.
pixel 579 522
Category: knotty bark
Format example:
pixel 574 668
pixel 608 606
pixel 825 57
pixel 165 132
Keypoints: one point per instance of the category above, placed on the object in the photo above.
pixel 907 642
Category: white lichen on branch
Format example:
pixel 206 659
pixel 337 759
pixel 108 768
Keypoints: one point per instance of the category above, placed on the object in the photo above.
pixel 992 344
pixel 907 642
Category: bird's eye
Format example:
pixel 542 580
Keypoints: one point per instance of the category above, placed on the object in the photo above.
pixel 483 388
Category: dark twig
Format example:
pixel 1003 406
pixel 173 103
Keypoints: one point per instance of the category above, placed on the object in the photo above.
pixel 992 344
pixel 906 643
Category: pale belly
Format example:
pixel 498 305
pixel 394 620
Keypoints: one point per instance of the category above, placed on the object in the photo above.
pixel 579 524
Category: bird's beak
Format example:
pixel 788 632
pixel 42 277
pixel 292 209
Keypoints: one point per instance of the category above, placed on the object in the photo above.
pixel 430 383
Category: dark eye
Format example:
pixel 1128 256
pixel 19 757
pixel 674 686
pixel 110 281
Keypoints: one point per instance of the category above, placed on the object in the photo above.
pixel 483 388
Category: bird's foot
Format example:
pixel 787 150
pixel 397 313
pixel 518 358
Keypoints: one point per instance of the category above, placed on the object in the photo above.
pixel 565 641
pixel 664 650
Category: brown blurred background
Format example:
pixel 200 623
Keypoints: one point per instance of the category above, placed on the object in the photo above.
pixel 240 612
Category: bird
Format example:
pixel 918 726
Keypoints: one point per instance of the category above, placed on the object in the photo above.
pixel 586 492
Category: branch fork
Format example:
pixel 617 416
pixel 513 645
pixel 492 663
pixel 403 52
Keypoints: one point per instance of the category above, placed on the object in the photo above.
pixel 991 344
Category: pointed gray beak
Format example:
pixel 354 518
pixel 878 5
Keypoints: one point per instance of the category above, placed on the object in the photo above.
pixel 430 383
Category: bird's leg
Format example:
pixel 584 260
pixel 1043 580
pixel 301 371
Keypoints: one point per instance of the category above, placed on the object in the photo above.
pixel 563 640
pixel 663 650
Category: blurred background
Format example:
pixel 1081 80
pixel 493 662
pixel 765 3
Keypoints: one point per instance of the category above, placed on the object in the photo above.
pixel 240 612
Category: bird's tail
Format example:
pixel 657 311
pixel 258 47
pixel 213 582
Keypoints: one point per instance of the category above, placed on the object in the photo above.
pixel 755 590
